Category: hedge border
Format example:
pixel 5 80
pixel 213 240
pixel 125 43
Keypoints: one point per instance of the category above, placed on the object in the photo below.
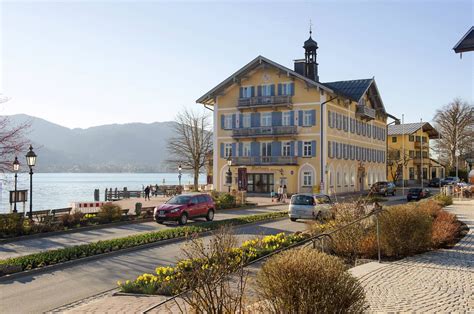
pixel 74 253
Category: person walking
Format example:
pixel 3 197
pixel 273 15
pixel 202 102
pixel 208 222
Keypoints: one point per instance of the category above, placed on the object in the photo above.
pixel 280 193
pixel 285 195
pixel 147 192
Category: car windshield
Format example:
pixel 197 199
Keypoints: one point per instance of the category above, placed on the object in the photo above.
pixel 302 200
pixel 322 200
pixel 179 199
pixel 414 190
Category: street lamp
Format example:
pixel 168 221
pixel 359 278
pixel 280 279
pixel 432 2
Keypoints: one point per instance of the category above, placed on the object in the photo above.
pixel 16 167
pixel 179 174
pixel 31 161
pixel 229 173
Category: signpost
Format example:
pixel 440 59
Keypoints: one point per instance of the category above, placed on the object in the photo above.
pixel 20 197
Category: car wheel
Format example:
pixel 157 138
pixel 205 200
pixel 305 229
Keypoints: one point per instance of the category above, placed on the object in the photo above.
pixel 210 215
pixel 183 219
pixel 293 219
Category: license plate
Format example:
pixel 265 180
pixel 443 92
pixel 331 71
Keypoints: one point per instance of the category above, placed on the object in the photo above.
pixel 161 213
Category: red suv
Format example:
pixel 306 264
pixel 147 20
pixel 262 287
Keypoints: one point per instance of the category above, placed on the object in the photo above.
pixel 180 208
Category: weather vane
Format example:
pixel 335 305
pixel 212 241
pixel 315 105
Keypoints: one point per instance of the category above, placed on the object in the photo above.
pixel 310 27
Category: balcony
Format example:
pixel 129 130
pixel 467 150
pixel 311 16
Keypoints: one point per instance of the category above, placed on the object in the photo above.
pixel 264 101
pixel 419 144
pixel 365 112
pixel 417 161
pixel 264 160
pixel 264 131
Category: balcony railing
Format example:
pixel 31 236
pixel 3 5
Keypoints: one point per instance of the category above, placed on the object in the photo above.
pixel 265 131
pixel 264 101
pixel 417 161
pixel 264 160
pixel 365 112
pixel 419 144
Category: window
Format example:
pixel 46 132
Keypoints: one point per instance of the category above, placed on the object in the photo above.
pixel 424 139
pixel 411 171
pixel 227 150
pixel 338 179
pixel 266 149
pixel 418 139
pixel 227 121
pixel 286 118
pixel 411 154
pixel 246 149
pixel 247 92
pixel 266 90
pixel 266 119
pixel 286 89
pixel 411 138
pixel 307 118
pixel 285 149
pixel 307 149
pixel 394 139
pixel 307 178
pixel 246 120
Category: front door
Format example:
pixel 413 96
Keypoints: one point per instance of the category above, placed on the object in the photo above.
pixel 361 183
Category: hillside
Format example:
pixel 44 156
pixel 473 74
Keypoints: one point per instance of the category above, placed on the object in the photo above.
pixel 133 147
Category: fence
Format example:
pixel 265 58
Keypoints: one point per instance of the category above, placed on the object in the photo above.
pixel 313 241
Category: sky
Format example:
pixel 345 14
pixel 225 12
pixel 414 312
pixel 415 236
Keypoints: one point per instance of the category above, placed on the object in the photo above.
pixel 88 63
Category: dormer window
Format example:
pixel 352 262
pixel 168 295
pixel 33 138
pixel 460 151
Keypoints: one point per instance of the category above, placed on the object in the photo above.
pixel 246 91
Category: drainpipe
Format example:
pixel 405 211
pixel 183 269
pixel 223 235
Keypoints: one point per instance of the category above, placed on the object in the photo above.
pixel 323 166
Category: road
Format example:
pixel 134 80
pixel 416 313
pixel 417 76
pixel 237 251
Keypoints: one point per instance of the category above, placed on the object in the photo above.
pixel 51 289
pixel 30 246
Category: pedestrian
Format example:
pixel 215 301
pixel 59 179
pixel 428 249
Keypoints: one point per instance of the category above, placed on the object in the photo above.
pixel 147 192
pixel 285 193
pixel 272 195
pixel 156 190
pixel 280 193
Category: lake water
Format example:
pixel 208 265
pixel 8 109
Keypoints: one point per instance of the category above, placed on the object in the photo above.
pixel 57 190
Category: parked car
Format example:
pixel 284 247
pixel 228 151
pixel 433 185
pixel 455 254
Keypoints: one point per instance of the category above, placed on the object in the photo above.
pixel 310 206
pixel 417 194
pixel 449 181
pixel 180 208
pixel 435 182
pixel 383 188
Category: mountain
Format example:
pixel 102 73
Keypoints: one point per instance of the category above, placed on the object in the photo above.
pixel 132 147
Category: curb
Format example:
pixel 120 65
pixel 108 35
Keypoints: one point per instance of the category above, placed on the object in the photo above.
pixel 40 270
pixel 75 230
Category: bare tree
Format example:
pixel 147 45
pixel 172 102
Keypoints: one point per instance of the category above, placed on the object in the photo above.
pixel 455 121
pixel 192 142
pixel 396 161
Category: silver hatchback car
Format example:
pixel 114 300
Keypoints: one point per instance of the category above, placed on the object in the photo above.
pixel 310 206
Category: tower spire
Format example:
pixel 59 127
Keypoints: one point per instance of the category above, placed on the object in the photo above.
pixel 310 27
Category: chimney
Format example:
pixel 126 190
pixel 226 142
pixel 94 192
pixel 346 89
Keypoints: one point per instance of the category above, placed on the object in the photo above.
pixel 299 66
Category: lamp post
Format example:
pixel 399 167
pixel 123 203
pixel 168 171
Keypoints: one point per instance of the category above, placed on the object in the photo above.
pixel 229 173
pixel 31 161
pixel 179 174
pixel 16 167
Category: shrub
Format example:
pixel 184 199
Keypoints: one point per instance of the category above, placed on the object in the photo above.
pixel 444 200
pixel 11 225
pixel 405 230
pixel 225 200
pixel 71 220
pixel 109 212
pixel 445 229
pixel 306 281
pixel 431 206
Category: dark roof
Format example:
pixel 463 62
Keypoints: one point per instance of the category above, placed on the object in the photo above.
pixel 310 43
pixel 410 128
pixel 207 98
pixel 466 43
pixel 353 89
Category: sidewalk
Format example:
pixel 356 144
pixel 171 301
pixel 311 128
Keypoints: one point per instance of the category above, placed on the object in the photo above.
pixel 29 246
pixel 438 281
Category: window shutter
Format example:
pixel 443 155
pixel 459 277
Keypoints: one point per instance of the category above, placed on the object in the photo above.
pixel 313 117
pixel 292 148
pixel 276 118
pixel 300 148
pixel 300 117
pixel 279 89
pixel 334 150
pixel 252 91
pixel 233 121
pixel 329 119
pixel 222 121
pixel 241 149
pixel 292 118
pixel 241 120
pixel 259 90
pixel 272 90
pixel 254 149
pixel 276 148
pixel 241 92
pixel 292 89
pixel 313 148
pixel 222 150
pixel 329 149
pixel 234 148
pixel 369 130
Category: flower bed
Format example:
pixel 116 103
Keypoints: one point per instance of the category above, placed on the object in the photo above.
pixel 169 280
pixel 52 257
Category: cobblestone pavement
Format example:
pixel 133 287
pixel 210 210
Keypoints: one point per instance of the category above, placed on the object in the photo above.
pixel 438 281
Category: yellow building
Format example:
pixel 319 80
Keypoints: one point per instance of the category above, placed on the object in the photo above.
pixel 284 127
pixel 409 153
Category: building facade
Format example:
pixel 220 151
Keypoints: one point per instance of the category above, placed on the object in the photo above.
pixel 283 127
pixel 412 140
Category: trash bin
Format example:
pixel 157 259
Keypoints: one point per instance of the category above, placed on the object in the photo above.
pixel 138 209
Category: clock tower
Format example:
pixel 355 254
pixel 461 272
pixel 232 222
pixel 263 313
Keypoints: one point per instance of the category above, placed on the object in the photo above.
pixel 311 66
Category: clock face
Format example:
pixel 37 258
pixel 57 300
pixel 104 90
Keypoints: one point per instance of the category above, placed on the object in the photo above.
pixel 266 78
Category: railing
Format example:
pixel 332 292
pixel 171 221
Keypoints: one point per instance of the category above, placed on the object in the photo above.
pixel 418 160
pixel 365 112
pixel 264 160
pixel 419 145
pixel 264 101
pixel 265 131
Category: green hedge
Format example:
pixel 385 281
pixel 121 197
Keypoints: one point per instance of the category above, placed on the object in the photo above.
pixel 52 257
